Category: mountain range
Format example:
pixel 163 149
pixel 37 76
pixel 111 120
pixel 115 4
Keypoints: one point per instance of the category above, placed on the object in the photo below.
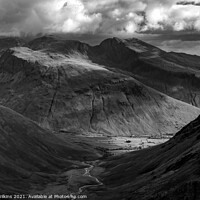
pixel 70 86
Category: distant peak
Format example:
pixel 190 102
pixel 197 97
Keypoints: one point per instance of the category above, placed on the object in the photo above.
pixel 112 41
pixel 117 39
pixel 132 39
pixel 125 41
pixel 46 37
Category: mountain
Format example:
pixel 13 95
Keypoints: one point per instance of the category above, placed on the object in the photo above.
pixel 30 156
pixel 68 92
pixel 175 74
pixel 169 171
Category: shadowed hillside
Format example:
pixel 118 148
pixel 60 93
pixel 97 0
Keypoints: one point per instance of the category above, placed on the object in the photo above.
pixel 31 156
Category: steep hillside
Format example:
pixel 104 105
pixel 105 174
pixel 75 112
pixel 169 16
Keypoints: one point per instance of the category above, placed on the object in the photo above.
pixel 30 156
pixel 67 92
pixel 166 172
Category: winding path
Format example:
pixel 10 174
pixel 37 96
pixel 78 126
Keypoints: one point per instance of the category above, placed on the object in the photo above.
pixel 87 174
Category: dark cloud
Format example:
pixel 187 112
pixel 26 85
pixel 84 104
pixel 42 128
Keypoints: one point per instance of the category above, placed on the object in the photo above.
pixel 188 3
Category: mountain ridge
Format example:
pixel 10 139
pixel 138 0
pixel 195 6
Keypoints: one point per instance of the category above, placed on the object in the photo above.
pixel 171 73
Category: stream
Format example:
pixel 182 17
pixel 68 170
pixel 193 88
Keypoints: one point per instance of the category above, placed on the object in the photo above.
pixel 87 174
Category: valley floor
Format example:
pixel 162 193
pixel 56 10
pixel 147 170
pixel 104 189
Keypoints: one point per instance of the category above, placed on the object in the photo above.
pixel 77 181
pixel 113 146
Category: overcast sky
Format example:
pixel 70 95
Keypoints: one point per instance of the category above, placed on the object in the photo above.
pixel 169 24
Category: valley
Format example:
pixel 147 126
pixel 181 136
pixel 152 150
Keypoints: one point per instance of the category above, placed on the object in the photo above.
pixel 78 180
pixel 119 120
